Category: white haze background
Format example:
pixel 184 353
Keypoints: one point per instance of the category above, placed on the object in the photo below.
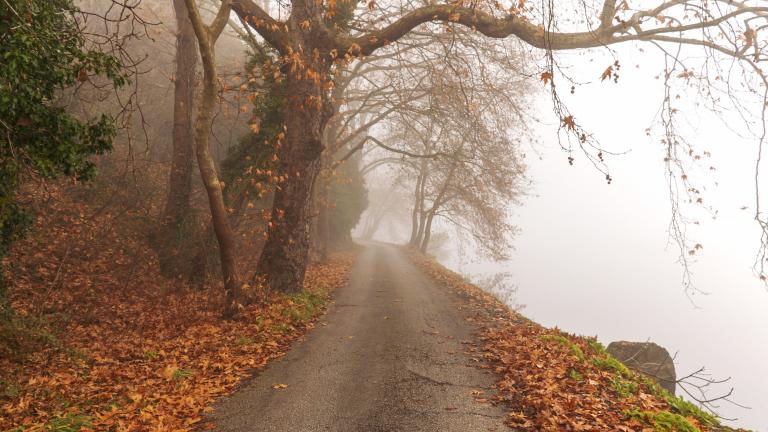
pixel 594 258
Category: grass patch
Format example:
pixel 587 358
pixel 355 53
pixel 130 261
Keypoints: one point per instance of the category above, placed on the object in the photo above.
pixel 70 422
pixel 151 355
pixel 244 340
pixel 9 389
pixel 623 387
pixel 596 346
pixel 21 335
pixel 562 340
pixel 575 375
pixel 663 421
pixel 181 373
pixel 282 328
pixel 610 364
pixel 304 306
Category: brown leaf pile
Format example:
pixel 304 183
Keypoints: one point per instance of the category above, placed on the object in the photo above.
pixel 547 378
pixel 128 351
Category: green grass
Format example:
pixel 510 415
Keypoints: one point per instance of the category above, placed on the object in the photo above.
pixel 151 355
pixel 306 304
pixel 623 387
pixel 562 340
pixel 244 340
pixel 9 389
pixel 69 422
pixel 610 364
pixel 663 421
pixel 181 373
pixel 575 375
pixel 596 346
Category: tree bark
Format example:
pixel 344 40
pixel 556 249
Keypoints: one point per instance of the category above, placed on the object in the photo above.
pixel 418 204
pixel 206 38
pixel 172 239
pixel 427 232
pixel 284 259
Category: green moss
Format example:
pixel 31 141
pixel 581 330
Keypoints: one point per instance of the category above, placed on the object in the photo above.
pixel 577 352
pixel 562 340
pixel 624 388
pixel 304 306
pixel 554 338
pixel 663 421
pixel 575 375
pixel 688 409
pixel 679 405
pixel 596 346
pixel 610 364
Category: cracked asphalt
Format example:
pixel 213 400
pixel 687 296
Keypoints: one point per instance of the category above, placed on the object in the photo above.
pixel 388 356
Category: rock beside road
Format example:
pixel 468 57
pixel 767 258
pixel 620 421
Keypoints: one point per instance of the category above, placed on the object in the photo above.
pixel 648 358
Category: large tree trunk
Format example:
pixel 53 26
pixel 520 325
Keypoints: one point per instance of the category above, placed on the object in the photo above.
pixel 285 254
pixel 172 239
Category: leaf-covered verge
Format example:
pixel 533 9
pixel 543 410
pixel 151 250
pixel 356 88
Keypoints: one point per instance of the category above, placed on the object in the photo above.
pixel 550 380
pixel 103 342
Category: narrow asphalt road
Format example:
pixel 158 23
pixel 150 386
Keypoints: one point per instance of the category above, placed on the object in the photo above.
pixel 388 356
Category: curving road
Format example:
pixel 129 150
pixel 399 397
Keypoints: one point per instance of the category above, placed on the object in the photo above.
pixel 388 356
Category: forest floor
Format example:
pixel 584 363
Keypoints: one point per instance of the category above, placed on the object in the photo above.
pixel 101 342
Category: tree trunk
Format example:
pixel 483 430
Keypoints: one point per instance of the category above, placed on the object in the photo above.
pixel 284 259
pixel 427 232
pixel 225 236
pixel 172 238
pixel 418 203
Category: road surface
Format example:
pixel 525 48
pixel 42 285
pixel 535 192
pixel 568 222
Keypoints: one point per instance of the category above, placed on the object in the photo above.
pixel 388 356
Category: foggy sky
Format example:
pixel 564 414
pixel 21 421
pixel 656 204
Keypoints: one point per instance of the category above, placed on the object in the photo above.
pixel 594 259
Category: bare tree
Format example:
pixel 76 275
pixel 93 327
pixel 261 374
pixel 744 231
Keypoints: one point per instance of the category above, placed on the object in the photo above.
pixel 316 37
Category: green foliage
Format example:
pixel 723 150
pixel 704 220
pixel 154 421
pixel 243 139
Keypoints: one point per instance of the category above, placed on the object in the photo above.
pixel 680 405
pixel 42 52
pixel 575 375
pixel 663 421
pixel 623 387
pixel 577 352
pixel 348 198
pixel 554 338
pixel 610 364
pixel 562 340
pixel 596 346
pixel 687 409
pixel 255 150
pixel 151 355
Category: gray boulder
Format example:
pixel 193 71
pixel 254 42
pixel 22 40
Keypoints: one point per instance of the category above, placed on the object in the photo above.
pixel 648 358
